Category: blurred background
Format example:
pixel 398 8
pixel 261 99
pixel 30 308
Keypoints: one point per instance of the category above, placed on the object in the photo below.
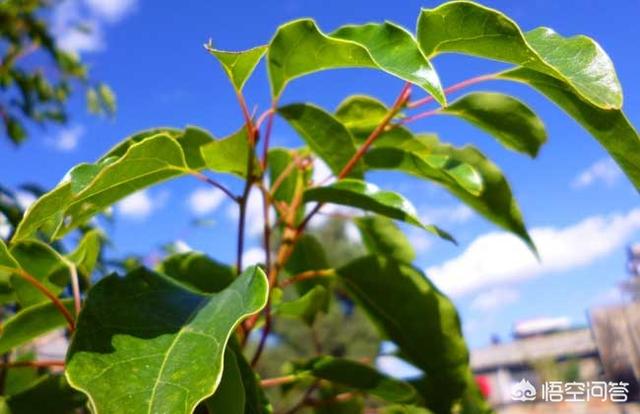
pixel 572 316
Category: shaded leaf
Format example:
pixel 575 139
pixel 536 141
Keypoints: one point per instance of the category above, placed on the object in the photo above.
pixel 366 196
pixel 461 171
pixel 382 46
pixel 513 124
pixel 147 324
pixel 50 391
pixel 411 312
pixel 382 236
pixel 325 135
pixel 467 27
pixel 197 271
pixel 308 254
pixel 32 322
pixel 230 396
pixel 360 377
pixel 239 65
pixel 610 127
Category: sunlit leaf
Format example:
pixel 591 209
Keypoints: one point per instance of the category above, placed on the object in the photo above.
pixel 361 114
pixel 366 196
pixel 578 62
pixel 239 65
pixel 382 236
pixel 229 154
pixel 305 307
pixel 147 324
pixel 382 46
pixel 86 254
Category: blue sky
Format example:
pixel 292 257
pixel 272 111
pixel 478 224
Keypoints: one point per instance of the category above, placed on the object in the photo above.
pixel 581 209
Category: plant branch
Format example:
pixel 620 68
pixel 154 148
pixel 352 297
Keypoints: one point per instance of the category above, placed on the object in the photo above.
pixel 42 288
pixel 275 382
pixel 216 184
pixel 35 364
pixel 421 115
pixel 75 288
pixel 453 88
pixel 309 274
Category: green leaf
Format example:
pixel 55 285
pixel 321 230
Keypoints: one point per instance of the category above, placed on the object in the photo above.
pixel 299 48
pixel 230 396
pixel 610 127
pixel 7 262
pixel 197 271
pixel 239 65
pixel 466 27
pixel 91 188
pixel 229 154
pixel 305 307
pixel 404 409
pixel 513 124
pixel 366 196
pixel 361 114
pixel 44 264
pixel 256 401
pixel 395 51
pixel 411 312
pixel 32 322
pixel 382 236
pixel 324 134
pixel 85 256
pixel 308 254
pixel 107 99
pixel 360 377
pixel 456 169
pixel 51 391
pixel 18 379
pixel 172 338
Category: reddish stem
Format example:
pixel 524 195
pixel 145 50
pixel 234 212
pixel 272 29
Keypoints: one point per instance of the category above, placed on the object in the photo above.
pixel 453 88
pixel 36 364
pixel 53 298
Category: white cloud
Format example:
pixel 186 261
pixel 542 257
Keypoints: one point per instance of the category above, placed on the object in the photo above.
pixel 67 139
pixel 420 240
pixel 79 25
pixel 499 257
pixel 5 227
pixel 604 170
pixel 25 199
pixel 396 367
pixel 205 200
pixel 447 215
pixel 182 246
pixel 321 172
pixel 494 298
pixel 253 256
pixel 140 205
pixel 112 10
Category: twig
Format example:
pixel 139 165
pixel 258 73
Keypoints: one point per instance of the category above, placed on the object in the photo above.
pixel 309 274
pixel 453 88
pixel 275 382
pixel 216 184
pixel 421 115
pixel 75 288
pixel 36 364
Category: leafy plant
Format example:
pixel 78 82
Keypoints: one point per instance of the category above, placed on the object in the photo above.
pixel 37 77
pixel 190 334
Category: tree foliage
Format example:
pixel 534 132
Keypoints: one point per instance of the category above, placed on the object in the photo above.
pixel 193 333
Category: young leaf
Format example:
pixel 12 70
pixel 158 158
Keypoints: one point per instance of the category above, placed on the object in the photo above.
pixel 324 134
pixel 366 196
pixel 229 154
pixel 360 377
pixel 466 27
pixel 197 271
pixel 382 236
pixel 610 127
pixel 454 169
pixel 85 256
pixel 31 322
pixel 305 307
pixel 512 123
pixel 381 46
pixel 239 65
pixel 411 312
pixel 91 188
pixel 172 338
